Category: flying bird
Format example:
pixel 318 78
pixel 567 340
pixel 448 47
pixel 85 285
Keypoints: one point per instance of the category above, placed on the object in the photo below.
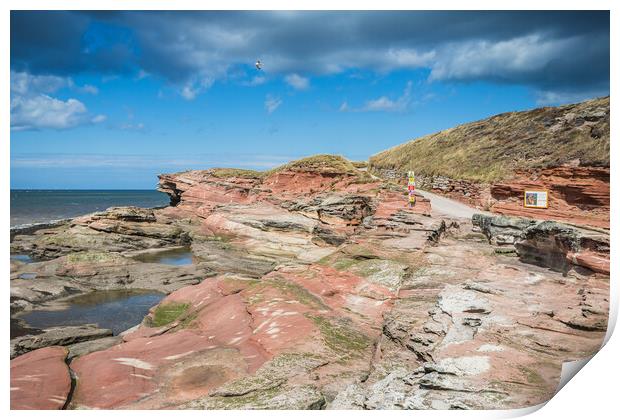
pixel 258 65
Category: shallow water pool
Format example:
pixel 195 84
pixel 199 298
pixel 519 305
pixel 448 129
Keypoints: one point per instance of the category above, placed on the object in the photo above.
pixel 177 256
pixel 21 257
pixel 117 310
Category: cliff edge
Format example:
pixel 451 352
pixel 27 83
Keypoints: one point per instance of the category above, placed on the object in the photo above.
pixel 490 163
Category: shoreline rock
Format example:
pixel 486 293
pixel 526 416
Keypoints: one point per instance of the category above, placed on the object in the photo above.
pixel 550 244
pixel 316 286
pixel 40 380
pixel 57 336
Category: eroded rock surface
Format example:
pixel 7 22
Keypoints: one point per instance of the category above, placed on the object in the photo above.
pixel 40 380
pixel 317 287
pixel 58 336
pixel 550 244
pixel 490 163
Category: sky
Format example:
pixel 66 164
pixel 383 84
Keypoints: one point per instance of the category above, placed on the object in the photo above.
pixel 108 100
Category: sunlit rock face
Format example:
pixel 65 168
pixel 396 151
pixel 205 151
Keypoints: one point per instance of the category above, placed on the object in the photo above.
pixel 558 246
pixel 309 287
pixel 40 380
pixel 489 164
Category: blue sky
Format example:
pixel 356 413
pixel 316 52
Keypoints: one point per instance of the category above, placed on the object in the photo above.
pixel 112 99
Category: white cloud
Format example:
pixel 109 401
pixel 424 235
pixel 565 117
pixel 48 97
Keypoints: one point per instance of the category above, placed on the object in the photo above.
pixel 93 90
pixel 543 50
pixel 503 59
pixel 195 87
pixel 553 98
pixel 115 160
pixel 23 83
pixel 383 103
pixel 272 103
pixel 32 107
pixel 132 126
pixel 296 81
pixel 408 58
pixel 380 104
pixel 98 119
pixel 386 104
pixel 188 92
pixel 256 81
pixel 42 111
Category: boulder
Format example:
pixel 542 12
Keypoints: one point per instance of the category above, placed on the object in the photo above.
pixel 40 380
pixel 547 243
pixel 86 347
pixel 57 336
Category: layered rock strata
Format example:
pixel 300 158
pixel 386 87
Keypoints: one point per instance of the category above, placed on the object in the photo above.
pixel 311 289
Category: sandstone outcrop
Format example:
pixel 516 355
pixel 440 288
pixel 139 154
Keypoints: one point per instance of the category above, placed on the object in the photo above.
pixel 86 271
pixel 576 194
pixel 40 380
pixel 550 244
pixel 314 286
pixel 58 336
pixel 116 230
pixel 490 163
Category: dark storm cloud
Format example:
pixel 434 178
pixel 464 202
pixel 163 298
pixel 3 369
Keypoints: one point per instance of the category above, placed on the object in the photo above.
pixel 552 51
pixel 57 42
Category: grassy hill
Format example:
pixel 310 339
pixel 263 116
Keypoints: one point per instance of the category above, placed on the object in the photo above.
pixel 323 163
pixel 492 149
pixel 331 164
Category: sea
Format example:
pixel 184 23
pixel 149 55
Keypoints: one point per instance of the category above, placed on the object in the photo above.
pixel 42 206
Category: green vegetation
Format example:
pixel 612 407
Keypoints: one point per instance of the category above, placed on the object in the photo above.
pixel 221 237
pixel 296 291
pixel 235 284
pixel 61 238
pixel 168 312
pixel 344 264
pixel 254 400
pixel 340 337
pixel 493 149
pixel 324 163
pixel 222 240
pixel 533 377
pixel 94 257
pixel 359 252
pixel 236 173
pixel 269 381
pixel 272 374
pixel 506 251
pixel 332 164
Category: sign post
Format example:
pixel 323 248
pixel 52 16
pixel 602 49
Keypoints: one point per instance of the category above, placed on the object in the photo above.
pixel 411 187
pixel 536 199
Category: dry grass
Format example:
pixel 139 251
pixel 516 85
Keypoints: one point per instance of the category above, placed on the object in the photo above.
pixel 322 163
pixel 359 163
pixel 236 173
pixel 332 164
pixel 492 149
pixel 327 164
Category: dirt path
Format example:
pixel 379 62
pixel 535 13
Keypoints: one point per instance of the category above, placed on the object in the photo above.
pixel 448 207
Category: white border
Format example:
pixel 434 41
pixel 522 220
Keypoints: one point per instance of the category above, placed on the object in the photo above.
pixel 592 394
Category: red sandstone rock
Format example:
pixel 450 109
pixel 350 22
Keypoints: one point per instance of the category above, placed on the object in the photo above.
pixel 233 322
pixel 393 316
pixel 577 194
pixel 40 380
pixel 392 202
pixel 597 262
pixel 292 183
